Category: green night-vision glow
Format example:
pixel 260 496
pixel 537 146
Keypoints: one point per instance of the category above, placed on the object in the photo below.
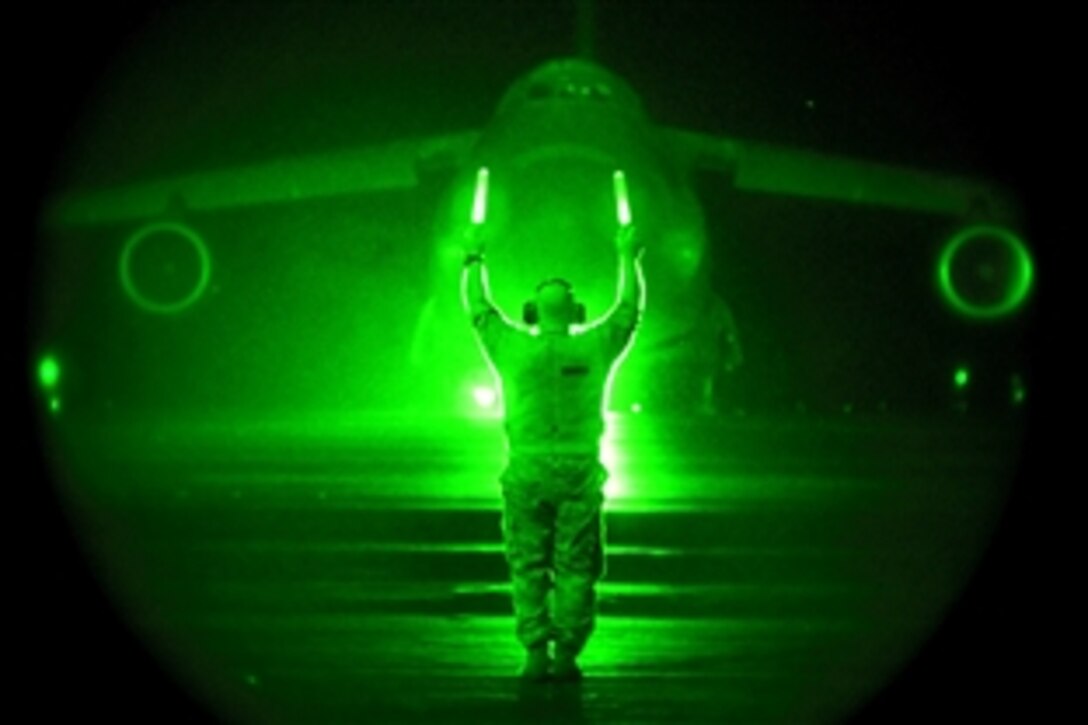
pixel 278 421
pixel 183 293
pixel 1001 261
pixel 623 204
pixel 484 396
pixel 49 372
pixel 962 377
pixel 1018 390
pixel 479 198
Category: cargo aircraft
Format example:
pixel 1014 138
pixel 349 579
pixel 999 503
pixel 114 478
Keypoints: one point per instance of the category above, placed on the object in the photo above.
pixel 558 141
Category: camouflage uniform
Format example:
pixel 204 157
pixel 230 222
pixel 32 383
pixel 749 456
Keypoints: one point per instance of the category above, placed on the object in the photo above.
pixel 553 388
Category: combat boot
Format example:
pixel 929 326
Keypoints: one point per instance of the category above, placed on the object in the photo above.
pixel 537 663
pixel 565 668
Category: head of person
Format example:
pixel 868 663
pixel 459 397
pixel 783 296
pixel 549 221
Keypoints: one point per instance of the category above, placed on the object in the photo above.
pixel 554 307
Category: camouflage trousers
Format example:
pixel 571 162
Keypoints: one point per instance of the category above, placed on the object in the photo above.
pixel 554 540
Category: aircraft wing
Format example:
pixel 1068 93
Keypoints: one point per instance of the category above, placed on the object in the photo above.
pixel 771 169
pixel 754 167
pixel 391 166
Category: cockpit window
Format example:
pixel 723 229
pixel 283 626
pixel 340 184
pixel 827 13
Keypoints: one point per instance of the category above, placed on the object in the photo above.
pixel 569 90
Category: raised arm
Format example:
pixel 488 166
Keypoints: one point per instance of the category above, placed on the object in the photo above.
pixel 490 324
pixel 475 297
pixel 631 294
pixel 632 283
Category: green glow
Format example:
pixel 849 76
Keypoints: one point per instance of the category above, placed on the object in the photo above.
pixel 769 168
pixel 484 396
pixel 130 287
pixel 614 487
pixel 479 200
pixel 623 204
pixel 1018 288
pixel 962 377
pixel 609 588
pixel 298 514
pixel 1019 392
pixel 290 179
pixel 49 371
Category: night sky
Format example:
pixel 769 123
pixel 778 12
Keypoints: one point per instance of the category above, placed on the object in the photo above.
pixel 906 83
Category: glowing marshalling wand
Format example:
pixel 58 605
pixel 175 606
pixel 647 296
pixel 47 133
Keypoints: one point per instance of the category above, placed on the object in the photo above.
pixel 623 205
pixel 479 201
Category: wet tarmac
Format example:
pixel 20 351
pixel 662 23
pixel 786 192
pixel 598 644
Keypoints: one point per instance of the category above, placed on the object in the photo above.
pixel 766 571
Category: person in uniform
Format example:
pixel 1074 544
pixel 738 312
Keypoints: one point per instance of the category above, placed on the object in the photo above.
pixel 553 371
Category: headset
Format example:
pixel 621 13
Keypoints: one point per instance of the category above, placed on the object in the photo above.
pixel 531 315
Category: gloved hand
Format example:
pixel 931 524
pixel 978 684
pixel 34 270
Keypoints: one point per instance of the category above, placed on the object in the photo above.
pixel 628 241
pixel 473 239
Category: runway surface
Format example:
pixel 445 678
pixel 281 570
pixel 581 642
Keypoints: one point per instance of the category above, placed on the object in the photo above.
pixel 758 570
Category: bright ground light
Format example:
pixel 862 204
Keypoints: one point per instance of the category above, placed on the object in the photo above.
pixel 49 371
pixel 484 396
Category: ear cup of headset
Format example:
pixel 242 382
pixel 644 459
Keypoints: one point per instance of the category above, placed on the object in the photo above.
pixel 529 313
